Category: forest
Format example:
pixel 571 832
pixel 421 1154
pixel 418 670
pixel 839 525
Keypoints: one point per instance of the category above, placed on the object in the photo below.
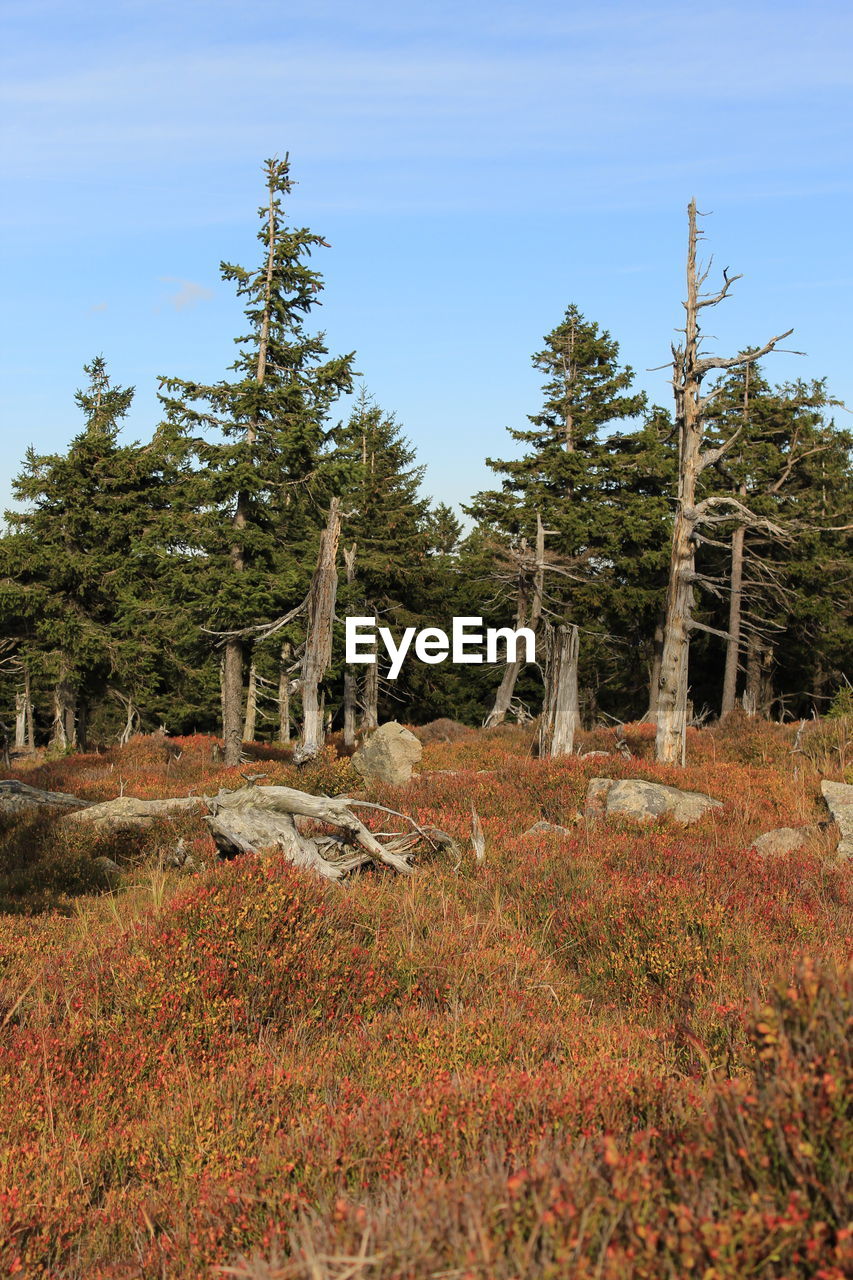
pixel 416 969
pixel 166 582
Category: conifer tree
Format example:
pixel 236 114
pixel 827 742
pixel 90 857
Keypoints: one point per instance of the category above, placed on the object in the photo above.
pixel 246 501
pixel 573 472
pixel 72 556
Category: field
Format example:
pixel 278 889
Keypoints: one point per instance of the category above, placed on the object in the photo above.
pixel 621 1053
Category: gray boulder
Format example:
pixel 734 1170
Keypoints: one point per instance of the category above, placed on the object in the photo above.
pixel 389 755
pixel 645 801
pixel 547 829
pixel 110 870
pixel 781 840
pixel 839 801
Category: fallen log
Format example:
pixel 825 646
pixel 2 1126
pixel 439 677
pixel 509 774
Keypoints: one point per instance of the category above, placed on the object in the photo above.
pixel 257 819
pixel 128 813
pixel 17 797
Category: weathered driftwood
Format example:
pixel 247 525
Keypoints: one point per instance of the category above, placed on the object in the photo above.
pixel 16 796
pixel 127 813
pixel 253 819
pixel 256 818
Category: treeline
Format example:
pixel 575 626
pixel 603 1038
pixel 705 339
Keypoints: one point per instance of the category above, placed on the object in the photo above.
pixel 161 582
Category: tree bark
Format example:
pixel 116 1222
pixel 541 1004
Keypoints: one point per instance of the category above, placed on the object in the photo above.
pixel 758 691
pixel 512 670
pixel 64 730
pixel 560 710
pixel 24 717
pixel 350 680
pixel 250 723
pixel 654 673
pixel 318 642
pixel 31 732
pixel 284 694
pixel 370 706
pixel 735 606
pixel 232 701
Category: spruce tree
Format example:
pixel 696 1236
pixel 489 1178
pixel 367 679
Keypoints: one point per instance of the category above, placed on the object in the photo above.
pixel 580 461
pixel 245 503
pixel 77 567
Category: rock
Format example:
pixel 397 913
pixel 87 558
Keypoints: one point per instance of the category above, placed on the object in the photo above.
pixel 782 840
pixel 547 829
pixel 388 755
pixel 127 813
pixel 111 870
pixel 839 801
pixel 590 755
pixel 645 801
pixel 16 797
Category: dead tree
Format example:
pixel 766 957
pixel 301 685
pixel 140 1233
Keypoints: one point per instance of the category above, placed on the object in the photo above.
pixel 350 682
pixel 251 720
pixel 318 641
pixel 560 710
pixel 528 613
pixel 284 659
pixel 689 370
pixel 370 697
pixel 258 819
pixel 63 733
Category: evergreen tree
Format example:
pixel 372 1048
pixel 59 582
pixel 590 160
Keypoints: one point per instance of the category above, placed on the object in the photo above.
pixel 76 568
pixel 246 503
pixel 598 488
pixel 786 595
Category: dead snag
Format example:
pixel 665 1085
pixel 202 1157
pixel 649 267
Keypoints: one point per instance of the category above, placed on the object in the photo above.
pixel 560 709
pixel 689 369
pixel 318 642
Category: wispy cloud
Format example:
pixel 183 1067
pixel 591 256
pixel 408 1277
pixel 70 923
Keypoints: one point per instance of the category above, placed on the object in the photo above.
pixel 188 295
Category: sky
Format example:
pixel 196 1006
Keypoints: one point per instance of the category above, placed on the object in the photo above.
pixel 476 166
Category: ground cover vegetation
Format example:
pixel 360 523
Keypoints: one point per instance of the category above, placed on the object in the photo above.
pixel 614 1052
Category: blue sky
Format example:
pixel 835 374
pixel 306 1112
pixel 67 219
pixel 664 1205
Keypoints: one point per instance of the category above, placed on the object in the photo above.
pixel 475 166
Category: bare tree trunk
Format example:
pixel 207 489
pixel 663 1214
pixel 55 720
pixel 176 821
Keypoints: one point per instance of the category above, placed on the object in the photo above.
pixel 284 694
pixel 654 673
pixel 504 695
pixel 31 732
pixel 512 670
pixel 20 721
pixel 735 607
pixel 82 724
pixel 24 735
pixel 560 711
pixel 232 701
pixel 64 731
pixel 350 680
pixel 318 642
pixel 370 708
pixel 689 368
pixel 250 723
pixel 130 718
pixel 752 688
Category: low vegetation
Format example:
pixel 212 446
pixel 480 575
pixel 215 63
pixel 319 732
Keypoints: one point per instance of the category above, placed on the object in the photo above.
pixel 620 1052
